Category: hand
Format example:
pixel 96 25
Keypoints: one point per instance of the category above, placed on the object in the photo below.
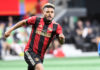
pixel 61 39
pixel 61 36
pixel 7 34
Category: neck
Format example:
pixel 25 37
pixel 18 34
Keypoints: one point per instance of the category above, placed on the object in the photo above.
pixel 47 21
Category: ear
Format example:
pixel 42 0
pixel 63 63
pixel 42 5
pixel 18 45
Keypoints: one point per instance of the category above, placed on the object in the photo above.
pixel 43 11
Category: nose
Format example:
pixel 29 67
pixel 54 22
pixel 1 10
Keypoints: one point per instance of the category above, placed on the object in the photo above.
pixel 50 14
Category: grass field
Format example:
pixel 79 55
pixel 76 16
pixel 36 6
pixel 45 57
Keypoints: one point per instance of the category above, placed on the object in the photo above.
pixel 82 63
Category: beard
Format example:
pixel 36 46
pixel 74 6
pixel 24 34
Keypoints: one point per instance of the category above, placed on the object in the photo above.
pixel 47 20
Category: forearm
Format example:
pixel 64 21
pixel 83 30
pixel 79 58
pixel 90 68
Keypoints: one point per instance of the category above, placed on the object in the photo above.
pixel 17 25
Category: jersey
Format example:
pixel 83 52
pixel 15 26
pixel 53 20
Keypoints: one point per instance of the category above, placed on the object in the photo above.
pixel 41 35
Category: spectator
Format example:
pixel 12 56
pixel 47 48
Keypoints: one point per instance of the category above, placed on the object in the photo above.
pixel 78 34
pixel 1 35
pixel 2 26
pixel 9 41
pixel 79 28
pixel 89 35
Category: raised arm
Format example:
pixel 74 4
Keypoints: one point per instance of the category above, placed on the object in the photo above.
pixel 29 21
pixel 17 25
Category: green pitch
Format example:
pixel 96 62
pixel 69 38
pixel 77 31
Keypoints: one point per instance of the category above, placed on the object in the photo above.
pixel 85 63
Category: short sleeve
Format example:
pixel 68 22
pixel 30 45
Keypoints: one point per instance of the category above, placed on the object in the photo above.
pixel 31 20
pixel 59 29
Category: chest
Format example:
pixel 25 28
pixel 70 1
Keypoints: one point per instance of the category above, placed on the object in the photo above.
pixel 45 30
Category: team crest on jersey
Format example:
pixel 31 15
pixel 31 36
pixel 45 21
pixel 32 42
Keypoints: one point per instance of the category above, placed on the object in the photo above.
pixel 36 59
pixel 50 29
pixel 40 25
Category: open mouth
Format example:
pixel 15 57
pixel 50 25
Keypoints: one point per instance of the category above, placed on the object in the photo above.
pixel 49 17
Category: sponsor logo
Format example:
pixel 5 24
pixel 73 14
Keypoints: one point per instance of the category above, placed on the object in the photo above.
pixel 43 33
pixel 40 25
pixel 50 29
pixel 30 58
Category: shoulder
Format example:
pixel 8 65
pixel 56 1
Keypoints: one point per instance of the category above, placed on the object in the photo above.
pixel 54 23
pixel 57 24
pixel 34 17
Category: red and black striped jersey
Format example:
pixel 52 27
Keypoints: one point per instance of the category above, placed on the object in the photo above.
pixel 41 35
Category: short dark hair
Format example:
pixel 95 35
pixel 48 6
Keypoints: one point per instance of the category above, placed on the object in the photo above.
pixel 48 5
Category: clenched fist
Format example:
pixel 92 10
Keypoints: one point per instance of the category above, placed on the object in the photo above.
pixel 7 34
pixel 61 38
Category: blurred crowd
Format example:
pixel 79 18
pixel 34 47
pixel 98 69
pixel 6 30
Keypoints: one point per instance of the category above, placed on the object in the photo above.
pixel 15 43
pixel 85 35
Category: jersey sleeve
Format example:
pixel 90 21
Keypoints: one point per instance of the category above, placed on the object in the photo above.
pixel 31 20
pixel 59 29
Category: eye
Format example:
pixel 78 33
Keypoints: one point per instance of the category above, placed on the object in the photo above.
pixel 47 11
pixel 52 11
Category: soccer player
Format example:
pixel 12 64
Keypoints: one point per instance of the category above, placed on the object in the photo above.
pixel 43 31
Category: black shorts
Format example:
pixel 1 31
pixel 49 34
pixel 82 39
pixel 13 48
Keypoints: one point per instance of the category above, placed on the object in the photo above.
pixel 32 59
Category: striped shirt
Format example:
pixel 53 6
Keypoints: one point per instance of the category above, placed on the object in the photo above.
pixel 41 35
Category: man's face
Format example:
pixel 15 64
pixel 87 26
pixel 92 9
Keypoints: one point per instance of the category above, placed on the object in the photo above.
pixel 48 13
